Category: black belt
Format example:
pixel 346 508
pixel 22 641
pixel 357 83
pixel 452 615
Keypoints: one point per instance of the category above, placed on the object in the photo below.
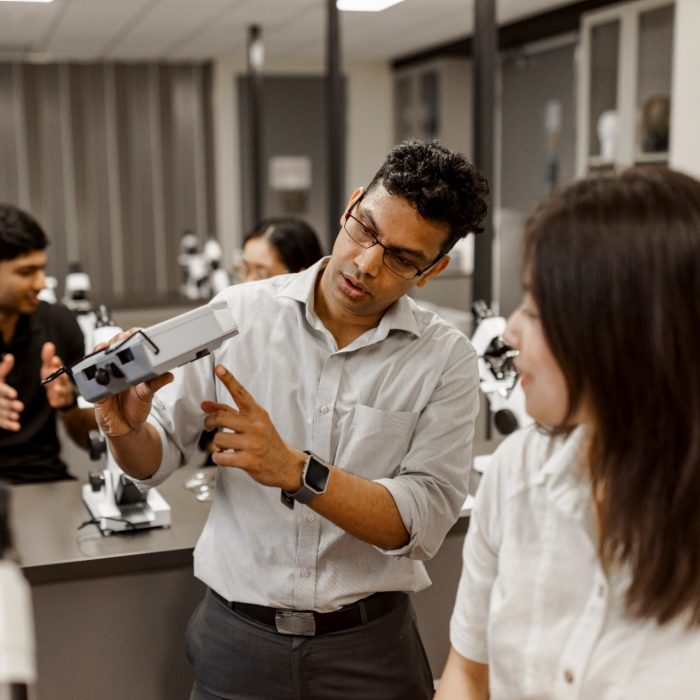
pixel 309 623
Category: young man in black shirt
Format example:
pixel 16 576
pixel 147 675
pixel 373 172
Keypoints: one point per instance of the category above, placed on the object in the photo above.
pixel 35 339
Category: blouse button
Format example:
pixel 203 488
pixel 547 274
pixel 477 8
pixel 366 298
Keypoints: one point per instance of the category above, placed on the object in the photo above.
pixel 568 676
pixel 323 409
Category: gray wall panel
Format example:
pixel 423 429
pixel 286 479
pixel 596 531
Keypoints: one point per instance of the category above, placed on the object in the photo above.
pixel 9 186
pixel 293 124
pixel 115 161
pixel 91 176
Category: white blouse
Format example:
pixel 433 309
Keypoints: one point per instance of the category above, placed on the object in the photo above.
pixel 533 601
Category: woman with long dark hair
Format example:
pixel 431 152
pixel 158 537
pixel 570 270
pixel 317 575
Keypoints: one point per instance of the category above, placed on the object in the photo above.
pixel 581 575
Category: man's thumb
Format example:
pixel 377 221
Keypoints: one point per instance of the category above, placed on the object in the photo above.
pixel 8 362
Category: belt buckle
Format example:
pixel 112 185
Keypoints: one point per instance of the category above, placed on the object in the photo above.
pixel 295 622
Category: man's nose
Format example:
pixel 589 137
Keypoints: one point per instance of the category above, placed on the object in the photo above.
pixel 369 260
pixel 40 280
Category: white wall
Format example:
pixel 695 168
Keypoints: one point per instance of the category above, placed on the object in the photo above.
pixel 227 156
pixel 370 122
pixel 685 108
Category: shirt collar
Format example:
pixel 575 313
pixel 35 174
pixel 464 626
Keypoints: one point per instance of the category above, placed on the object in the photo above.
pixel 564 477
pixel 399 316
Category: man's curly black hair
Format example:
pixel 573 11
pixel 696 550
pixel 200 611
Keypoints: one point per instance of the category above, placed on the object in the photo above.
pixel 19 233
pixel 443 186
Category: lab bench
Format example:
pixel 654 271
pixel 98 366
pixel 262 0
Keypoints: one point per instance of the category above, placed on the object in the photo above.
pixel 111 612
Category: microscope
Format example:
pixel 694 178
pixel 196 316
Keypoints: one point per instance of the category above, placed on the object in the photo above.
pixel 219 279
pixel 77 298
pixel 193 267
pixel 498 377
pixel 114 502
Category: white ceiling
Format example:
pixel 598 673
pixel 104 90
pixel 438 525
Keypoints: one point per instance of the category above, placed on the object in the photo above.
pixel 293 30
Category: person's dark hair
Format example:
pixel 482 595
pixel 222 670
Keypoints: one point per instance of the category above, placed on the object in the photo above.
pixel 19 233
pixel 613 264
pixel 443 186
pixel 293 239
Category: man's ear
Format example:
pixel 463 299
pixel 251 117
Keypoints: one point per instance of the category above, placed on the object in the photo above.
pixel 434 271
pixel 353 198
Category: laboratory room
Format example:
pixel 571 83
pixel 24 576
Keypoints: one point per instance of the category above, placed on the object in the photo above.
pixel 336 335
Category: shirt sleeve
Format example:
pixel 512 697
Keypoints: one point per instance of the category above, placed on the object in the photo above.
pixel 432 484
pixel 177 415
pixel 470 616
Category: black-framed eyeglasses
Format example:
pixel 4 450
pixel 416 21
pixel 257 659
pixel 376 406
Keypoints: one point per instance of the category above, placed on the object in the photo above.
pixel 365 237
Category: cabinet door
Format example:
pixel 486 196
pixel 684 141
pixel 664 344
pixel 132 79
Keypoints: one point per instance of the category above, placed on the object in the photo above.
pixel 603 111
pixel 655 40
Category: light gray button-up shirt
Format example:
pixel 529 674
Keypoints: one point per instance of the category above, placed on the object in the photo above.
pixel 396 406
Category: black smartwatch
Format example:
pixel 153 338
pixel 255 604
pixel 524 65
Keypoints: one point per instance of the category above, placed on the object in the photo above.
pixel 314 481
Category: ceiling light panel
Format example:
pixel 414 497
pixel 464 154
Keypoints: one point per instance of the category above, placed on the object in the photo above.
pixel 365 5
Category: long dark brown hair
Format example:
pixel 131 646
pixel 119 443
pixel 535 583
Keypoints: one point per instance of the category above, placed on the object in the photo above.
pixel 614 267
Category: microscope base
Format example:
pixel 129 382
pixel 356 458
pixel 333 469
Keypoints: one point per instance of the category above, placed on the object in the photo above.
pixel 112 518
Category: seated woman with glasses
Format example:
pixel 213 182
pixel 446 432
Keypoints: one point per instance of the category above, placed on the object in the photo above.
pixel 581 573
pixel 278 245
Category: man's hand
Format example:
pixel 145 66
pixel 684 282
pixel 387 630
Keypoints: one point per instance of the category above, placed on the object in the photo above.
pixel 60 393
pixel 255 446
pixel 127 411
pixel 10 407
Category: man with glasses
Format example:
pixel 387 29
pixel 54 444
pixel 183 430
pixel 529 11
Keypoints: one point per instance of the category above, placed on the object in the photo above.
pixel 344 460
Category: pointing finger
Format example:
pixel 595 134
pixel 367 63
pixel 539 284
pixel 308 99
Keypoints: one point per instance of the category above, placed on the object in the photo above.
pixel 239 393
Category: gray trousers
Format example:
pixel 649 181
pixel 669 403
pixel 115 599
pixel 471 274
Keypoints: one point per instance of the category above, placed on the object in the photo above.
pixel 235 657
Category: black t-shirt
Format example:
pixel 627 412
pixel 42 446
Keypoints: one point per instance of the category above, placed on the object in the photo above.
pixel 32 454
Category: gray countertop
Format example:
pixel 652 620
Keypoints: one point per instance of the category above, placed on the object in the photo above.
pixel 50 547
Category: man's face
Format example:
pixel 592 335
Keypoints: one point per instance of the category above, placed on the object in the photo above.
pixel 21 280
pixel 356 280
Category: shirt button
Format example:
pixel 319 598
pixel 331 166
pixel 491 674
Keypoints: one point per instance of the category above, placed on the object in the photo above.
pixel 568 676
pixel 304 573
pixel 601 590
pixel 334 358
pixel 310 517
pixel 323 409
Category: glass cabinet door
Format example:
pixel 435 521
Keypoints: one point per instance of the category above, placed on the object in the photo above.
pixel 654 84
pixel 603 117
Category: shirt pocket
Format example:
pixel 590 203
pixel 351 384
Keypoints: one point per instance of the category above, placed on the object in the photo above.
pixel 376 442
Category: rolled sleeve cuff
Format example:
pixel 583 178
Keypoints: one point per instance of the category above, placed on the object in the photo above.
pixel 407 510
pixel 169 463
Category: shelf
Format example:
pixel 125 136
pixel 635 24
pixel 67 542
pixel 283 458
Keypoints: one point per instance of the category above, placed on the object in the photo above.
pixel 659 158
pixel 600 163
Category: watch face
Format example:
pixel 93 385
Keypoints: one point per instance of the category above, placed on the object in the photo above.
pixel 316 475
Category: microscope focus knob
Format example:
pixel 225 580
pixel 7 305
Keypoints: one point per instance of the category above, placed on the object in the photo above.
pixel 505 421
pixel 97 481
pixel 102 376
pixel 97 445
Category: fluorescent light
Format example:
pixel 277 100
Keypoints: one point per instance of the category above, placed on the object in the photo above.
pixel 26 0
pixel 365 5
